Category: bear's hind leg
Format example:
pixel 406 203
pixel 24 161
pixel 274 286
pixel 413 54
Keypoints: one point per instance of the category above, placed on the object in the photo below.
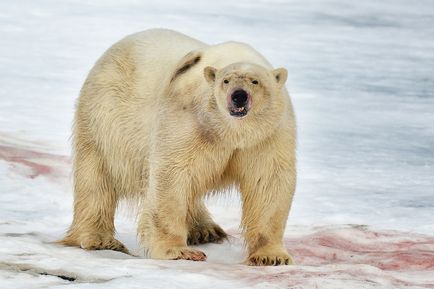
pixel 202 228
pixel 95 202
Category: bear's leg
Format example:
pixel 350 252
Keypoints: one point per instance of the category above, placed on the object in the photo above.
pixel 163 226
pixel 265 211
pixel 202 228
pixel 267 192
pixel 95 203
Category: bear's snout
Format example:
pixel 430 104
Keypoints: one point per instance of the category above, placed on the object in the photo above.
pixel 239 98
pixel 238 103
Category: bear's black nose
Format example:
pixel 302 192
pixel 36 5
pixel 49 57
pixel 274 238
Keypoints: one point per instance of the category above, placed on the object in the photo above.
pixel 239 98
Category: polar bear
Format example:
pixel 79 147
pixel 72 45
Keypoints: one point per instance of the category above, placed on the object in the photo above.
pixel 164 119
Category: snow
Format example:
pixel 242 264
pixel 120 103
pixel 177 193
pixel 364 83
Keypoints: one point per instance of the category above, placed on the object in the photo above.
pixel 361 79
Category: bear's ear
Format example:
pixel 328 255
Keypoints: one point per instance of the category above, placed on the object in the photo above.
pixel 210 73
pixel 280 74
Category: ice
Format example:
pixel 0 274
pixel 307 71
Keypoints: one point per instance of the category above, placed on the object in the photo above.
pixel 361 79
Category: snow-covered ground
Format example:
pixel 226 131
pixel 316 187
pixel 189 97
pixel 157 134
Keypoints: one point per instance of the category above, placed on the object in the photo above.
pixel 361 75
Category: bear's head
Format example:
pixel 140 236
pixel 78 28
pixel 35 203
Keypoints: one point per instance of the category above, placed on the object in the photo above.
pixel 247 90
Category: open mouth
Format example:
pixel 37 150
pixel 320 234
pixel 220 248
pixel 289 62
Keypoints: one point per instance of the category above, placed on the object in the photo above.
pixel 238 112
pixel 238 103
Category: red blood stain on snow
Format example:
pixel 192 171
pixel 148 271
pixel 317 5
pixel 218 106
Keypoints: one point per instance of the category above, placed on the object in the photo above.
pixel 386 251
pixel 342 278
pixel 39 163
pixel 352 257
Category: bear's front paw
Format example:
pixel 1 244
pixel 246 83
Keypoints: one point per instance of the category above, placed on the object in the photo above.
pixel 185 253
pixel 269 257
pixel 206 233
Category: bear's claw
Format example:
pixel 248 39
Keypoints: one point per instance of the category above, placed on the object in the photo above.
pixel 269 260
pixel 100 243
pixel 185 253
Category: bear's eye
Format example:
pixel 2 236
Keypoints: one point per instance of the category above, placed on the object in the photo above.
pixel 255 82
pixel 226 81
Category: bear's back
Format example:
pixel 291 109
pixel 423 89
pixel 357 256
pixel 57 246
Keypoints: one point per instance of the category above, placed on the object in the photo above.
pixel 226 53
pixel 156 54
